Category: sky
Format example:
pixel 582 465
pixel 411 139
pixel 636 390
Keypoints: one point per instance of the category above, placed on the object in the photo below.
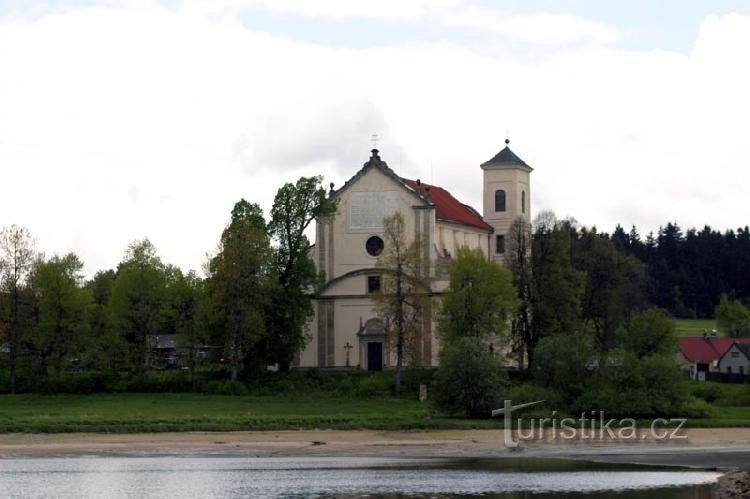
pixel 121 120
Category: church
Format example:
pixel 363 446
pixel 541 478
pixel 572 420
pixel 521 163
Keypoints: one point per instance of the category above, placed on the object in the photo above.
pixel 345 331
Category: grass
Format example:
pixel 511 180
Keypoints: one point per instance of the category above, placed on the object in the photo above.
pixel 694 327
pixel 140 412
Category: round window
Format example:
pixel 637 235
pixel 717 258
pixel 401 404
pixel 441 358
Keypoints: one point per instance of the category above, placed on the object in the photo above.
pixel 374 246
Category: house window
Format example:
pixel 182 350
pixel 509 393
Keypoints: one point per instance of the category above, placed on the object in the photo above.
pixel 373 283
pixel 374 246
pixel 523 201
pixel 499 244
pixel 500 200
pixel 729 369
pixel 735 355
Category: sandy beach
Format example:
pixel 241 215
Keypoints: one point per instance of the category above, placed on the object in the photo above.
pixel 720 448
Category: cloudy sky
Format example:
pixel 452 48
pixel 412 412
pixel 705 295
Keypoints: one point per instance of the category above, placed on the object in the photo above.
pixel 131 119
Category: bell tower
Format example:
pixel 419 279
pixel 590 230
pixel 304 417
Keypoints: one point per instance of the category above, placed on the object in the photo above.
pixel 507 196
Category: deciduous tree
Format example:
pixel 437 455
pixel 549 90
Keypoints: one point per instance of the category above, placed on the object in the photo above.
pixel 17 256
pixel 479 301
pixel 62 306
pixel 403 299
pixel 733 318
pixel 241 284
pixel 294 208
pixel 135 305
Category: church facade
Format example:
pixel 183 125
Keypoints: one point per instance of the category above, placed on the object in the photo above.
pixel 345 331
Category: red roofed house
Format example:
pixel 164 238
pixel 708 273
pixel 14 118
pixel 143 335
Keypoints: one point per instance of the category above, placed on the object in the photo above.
pixel 704 354
pixel 345 330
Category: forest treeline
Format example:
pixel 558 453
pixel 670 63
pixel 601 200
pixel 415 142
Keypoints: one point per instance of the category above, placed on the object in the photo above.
pixel 247 312
pixel 687 272
pixel 249 307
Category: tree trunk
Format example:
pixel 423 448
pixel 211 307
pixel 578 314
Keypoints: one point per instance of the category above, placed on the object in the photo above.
pixel 13 336
pixel 399 362
pixel 13 367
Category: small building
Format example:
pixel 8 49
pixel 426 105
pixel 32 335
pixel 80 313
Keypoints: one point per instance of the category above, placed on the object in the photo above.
pixel 700 356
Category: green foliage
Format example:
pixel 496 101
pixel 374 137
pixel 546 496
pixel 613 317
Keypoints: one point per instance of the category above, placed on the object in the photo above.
pixel 479 300
pixel 635 387
pixel 62 305
pixel 373 386
pixel 565 363
pixel 649 333
pixel 733 318
pixel 241 283
pixel 531 392
pixel 614 285
pixel 696 408
pixel 186 311
pixel 135 303
pixel 294 208
pixel 470 379
pixel 721 394
pixel 557 287
pixel 17 256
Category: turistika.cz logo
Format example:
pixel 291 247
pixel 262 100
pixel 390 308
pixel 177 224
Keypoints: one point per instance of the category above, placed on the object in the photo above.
pixel 590 425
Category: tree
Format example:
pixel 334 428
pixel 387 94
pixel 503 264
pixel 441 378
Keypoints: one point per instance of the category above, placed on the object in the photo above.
pixel 403 298
pixel 294 208
pixel 614 285
pixel 184 306
pixel 62 307
pixel 651 332
pixel 241 284
pixel 565 362
pixel 103 347
pixel 518 259
pixel 135 304
pixel 479 300
pixel 641 376
pixel 557 286
pixel 17 256
pixel 733 318
pixel 470 379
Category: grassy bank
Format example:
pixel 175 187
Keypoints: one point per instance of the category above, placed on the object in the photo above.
pixel 694 327
pixel 140 412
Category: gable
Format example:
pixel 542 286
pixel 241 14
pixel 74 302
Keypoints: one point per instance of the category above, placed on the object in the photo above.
pixel 707 349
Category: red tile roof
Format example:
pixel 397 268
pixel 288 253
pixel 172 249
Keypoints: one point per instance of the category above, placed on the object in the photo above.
pixel 705 350
pixel 449 208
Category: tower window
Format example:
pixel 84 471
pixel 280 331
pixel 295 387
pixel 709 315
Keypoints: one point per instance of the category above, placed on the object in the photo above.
pixel 499 244
pixel 500 200
pixel 373 283
pixel 523 201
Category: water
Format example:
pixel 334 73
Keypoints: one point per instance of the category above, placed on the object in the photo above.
pixel 229 476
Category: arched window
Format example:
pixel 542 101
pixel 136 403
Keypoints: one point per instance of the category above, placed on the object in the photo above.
pixel 500 200
pixel 523 201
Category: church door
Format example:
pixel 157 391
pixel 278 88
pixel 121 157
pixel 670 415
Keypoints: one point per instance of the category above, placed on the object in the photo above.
pixel 375 356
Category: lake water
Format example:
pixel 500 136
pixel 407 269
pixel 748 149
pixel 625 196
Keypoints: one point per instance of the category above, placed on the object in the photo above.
pixel 230 476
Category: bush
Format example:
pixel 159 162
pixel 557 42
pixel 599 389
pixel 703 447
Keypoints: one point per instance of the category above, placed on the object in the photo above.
pixel 709 392
pixel 696 408
pixel 374 386
pixel 531 392
pixel 469 379
pixel 563 362
pixel 225 387
pixel 628 386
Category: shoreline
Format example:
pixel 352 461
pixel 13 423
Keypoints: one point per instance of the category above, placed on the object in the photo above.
pixel 723 449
